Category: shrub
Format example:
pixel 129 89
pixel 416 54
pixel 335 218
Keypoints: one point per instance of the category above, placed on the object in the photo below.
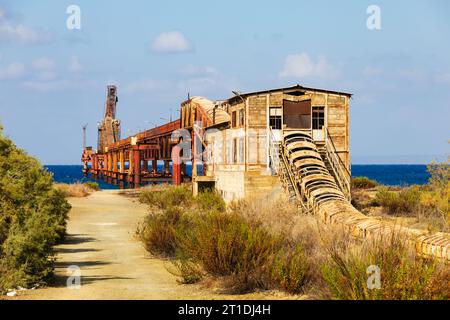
pixel 189 272
pixel 210 200
pixel 92 185
pixel 172 196
pixel 32 218
pixel 363 183
pixel 404 275
pixel 159 232
pixel 405 201
pixel 290 269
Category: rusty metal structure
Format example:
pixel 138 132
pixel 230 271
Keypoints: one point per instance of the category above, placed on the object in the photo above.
pixel 294 137
pixel 109 127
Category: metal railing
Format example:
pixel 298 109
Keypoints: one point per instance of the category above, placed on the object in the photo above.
pixel 280 166
pixel 340 171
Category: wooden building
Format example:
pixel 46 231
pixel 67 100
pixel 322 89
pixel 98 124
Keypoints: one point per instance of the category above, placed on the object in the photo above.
pixel 240 132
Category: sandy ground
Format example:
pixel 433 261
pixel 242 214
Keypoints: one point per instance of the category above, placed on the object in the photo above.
pixel 114 265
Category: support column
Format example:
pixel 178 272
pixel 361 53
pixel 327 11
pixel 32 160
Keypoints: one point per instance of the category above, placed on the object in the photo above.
pixel 122 162
pixel 130 165
pixel 114 166
pixel 176 165
pixel 137 167
pixel 105 164
pixel 94 164
pixel 154 165
pixel 146 166
pixel 166 167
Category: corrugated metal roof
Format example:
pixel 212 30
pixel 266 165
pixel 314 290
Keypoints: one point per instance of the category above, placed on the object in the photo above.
pixel 296 87
pixel 207 105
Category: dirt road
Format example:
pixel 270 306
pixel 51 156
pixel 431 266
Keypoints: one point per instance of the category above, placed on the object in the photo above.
pixel 113 263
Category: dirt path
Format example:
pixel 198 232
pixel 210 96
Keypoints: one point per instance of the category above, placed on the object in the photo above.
pixel 113 263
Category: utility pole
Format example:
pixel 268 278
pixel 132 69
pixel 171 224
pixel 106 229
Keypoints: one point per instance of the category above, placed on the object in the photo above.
pixel 84 136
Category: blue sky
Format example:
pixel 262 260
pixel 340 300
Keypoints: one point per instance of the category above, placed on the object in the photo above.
pixel 53 80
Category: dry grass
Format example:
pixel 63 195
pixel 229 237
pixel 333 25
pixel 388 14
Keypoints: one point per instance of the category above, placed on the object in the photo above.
pixel 403 274
pixel 77 190
pixel 255 244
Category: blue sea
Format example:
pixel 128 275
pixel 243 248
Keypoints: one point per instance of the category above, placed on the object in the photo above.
pixel 393 175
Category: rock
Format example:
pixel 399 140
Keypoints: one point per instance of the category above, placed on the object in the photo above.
pixel 12 293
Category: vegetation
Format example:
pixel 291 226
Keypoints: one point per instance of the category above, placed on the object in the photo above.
pixel 77 189
pixel 32 218
pixel 363 183
pixel 426 206
pixel 403 202
pixel 92 185
pixel 205 239
pixel 403 275
pixel 176 196
pixel 268 245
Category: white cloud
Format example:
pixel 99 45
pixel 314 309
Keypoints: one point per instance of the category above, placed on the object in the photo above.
pixel 301 65
pixel 14 32
pixel 170 42
pixel 13 71
pixel 22 34
pixel 43 64
pixel 75 64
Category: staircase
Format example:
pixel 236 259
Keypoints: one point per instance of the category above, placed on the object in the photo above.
pixel 315 179
pixel 307 172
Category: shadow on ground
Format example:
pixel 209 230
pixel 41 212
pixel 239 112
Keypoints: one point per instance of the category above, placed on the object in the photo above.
pixel 77 239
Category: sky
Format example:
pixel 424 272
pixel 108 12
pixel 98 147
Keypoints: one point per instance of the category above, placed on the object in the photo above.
pixel 53 78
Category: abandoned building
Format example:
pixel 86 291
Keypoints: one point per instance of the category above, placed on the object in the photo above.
pixel 245 131
pixel 249 145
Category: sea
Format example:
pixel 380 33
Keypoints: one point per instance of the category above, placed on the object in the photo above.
pixel 387 174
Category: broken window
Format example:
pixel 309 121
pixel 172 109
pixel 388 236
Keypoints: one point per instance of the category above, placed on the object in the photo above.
pixel 235 150
pixel 241 150
pixel 318 117
pixel 241 117
pixel 275 118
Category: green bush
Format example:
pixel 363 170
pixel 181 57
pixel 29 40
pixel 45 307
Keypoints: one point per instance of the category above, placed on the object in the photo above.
pixel 32 218
pixel 405 201
pixel 210 200
pixel 159 232
pixel 92 185
pixel 363 183
pixel 172 196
